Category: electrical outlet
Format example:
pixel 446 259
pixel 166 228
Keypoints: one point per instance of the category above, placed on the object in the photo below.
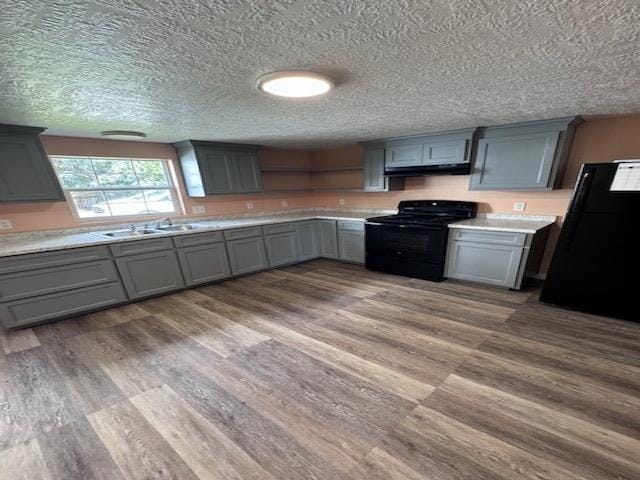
pixel 285 203
pixel 5 224
pixel 249 205
pixel 519 206
pixel 198 209
pixel 342 201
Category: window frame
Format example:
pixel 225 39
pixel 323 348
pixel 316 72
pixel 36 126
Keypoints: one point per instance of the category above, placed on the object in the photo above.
pixel 172 186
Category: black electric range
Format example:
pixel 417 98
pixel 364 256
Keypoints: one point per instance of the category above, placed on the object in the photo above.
pixel 414 242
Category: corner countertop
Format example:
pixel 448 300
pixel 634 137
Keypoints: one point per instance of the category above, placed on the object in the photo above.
pixel 50 240
pixel 503 222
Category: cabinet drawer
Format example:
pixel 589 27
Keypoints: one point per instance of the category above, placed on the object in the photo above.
pixel 20 263
pixel 278 228
pixel 483 236
pixel 59 305
pixel 247 232
pixel 141 246
pixel 56 279
pixel 198 239
pixel 351 225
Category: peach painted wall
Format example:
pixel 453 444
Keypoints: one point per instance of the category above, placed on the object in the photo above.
pixel 597 140
pixel 54 215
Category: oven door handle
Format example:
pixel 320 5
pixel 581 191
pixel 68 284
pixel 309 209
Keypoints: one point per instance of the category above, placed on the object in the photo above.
pixel 417 227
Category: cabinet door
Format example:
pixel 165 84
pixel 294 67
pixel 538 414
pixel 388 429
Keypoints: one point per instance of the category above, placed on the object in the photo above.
pixel 374 179
pixel 247 171
pixel 486 263
pixel 308 240
pixel 149 274
pixel 25 171
pixel 444 152
pixel 328 238
pixel 218 175
pixel 351 245
pixel 282 249
pixel 515 162
pixel 247 255
pixel 204 263
pixel 404 155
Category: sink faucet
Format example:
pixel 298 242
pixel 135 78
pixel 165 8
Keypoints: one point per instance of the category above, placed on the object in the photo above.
pixel 160 223
pixel 133 228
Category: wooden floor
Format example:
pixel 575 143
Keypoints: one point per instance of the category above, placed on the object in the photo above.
pixel 324 371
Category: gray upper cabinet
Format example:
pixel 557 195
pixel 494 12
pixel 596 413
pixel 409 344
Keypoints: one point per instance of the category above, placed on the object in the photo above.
pixel 26 174
pixel 247 170
pixel 374 179
pixel 401 155
pixel 528 155
pixel 328 238
pixel 211 168
pixel 308 241
pixel 247 255
pixel 451 147
pixel 148 274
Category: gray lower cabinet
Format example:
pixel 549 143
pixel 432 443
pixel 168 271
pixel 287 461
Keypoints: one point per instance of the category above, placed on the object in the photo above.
pixel 26 174
pixel 328 238
pixel 485 263
pixel 351 246
pixel 204 263
pixel 307 234
pixel 32 310
pixel 148 274
pixel 247 255
pixel 528 155
pixel 351 241
pixel 282 248
pixel 38 287
pixel 491 257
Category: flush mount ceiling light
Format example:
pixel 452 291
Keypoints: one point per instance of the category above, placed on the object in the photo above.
pixel 295 84
pixel 124 135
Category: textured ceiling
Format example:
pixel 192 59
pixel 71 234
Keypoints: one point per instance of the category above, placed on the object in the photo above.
pixel 179 69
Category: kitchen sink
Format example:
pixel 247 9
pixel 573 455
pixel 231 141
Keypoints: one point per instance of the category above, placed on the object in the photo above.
pixel 129 233
pixel 180 228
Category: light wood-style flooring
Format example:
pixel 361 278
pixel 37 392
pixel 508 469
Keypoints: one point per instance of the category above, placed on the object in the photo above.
pixel 324 371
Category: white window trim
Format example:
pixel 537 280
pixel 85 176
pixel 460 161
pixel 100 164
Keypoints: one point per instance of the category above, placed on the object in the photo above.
pixel 172 187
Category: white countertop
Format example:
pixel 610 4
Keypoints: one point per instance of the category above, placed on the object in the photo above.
pixel 502 222
pixel 44 241
pixel 36 242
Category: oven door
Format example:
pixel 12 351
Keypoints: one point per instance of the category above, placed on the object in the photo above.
pixel 415 251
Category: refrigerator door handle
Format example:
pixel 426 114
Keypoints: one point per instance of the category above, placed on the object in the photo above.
pixel 579 197
pixel 582 189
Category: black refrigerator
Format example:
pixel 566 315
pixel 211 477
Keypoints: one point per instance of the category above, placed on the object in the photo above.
pixel 596 264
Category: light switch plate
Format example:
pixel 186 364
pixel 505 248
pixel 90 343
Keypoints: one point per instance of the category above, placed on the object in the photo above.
pixel 285 203
pixel 5 224
pixel 519 206
pixel 342 201
pixel 198 209
pixel 249 205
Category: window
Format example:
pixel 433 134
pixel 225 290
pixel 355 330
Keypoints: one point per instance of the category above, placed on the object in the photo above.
pixel 117 187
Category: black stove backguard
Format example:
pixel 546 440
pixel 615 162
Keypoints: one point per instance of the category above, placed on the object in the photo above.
pixel 444 208
pixel 415 248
